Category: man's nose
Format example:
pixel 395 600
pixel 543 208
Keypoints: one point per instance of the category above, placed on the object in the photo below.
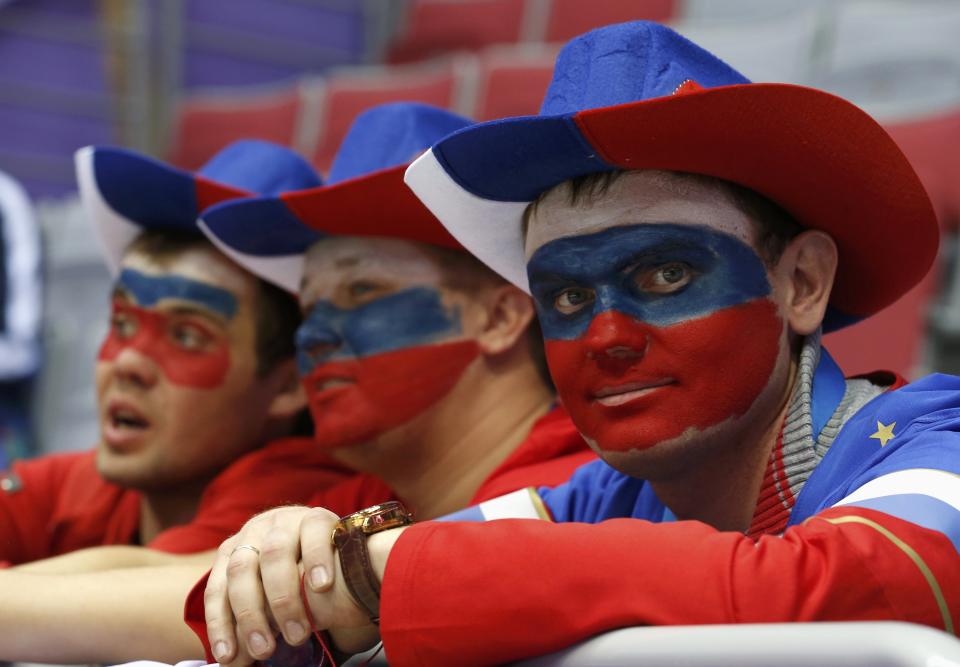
pixel 135 367
pixel 615 336
pixel 316 344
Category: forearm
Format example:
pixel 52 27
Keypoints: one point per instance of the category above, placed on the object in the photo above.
pixel 103 617
pixel 97 559
pixel 452 593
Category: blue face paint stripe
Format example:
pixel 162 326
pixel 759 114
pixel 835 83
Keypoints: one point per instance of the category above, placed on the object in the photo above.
pixel 725 272
pixel 149 290
pixel 411 317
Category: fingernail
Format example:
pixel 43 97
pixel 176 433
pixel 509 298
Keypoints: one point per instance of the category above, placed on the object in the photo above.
pixel 295 631
pixel 258 643
pixel 319 577
pixel 220 651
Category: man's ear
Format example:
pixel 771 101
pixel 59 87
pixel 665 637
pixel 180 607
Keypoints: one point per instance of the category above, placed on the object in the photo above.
pixel 806 271
pixel 509 313
pixel 290 396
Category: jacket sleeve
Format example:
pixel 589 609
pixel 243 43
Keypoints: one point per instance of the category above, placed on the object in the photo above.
pixel 28 500
pixel 487 593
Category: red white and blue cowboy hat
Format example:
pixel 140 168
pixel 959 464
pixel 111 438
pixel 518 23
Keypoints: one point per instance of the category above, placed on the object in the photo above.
pixel 364 196
pixel 640 96
pixel 124 192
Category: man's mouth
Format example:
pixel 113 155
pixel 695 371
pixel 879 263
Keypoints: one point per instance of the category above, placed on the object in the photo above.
pixel 331 383
pixel 124 416
pixel 612 396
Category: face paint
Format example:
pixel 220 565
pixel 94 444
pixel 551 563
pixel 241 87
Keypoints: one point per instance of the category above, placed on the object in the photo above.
pixel 372 368
pixel 654 330
pixel 188 351
pixel 149 290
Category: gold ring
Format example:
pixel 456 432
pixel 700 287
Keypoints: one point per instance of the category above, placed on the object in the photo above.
pixel 246 546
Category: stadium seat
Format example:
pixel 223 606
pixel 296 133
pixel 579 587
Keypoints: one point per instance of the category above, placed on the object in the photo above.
pixel 890 644
pixel 348 93
pixel 439 26
pixel 206 122
pixel 569 18
pixel 511 80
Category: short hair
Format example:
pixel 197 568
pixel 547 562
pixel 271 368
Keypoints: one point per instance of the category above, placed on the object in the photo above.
pixel 465 273
pixel 277 313
pixel 773 227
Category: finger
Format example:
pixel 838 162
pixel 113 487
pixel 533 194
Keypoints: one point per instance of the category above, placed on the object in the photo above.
pixel 216 607
pixel 280 576
pixel 245 593
pixel 243 658
pixel 316 548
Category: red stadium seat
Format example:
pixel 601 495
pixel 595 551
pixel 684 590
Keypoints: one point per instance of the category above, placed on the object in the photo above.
pixel 511 81
pixel 358 89
pixel 439 26
pixel 205 123
pixel 569 18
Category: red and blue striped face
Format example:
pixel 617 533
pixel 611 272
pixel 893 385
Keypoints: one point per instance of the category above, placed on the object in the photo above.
pixel 374 366
pixel 179 338
pixel 654 329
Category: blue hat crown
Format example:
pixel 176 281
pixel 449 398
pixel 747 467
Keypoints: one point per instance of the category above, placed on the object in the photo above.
pixel 629 62
pixel 391 135
pixel 261 167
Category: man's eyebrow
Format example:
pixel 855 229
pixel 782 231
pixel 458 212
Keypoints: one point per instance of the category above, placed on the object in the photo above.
pixel 149 290
pixel 346 262
pixel 198 309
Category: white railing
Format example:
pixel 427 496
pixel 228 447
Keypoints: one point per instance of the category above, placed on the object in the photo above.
pixel 881 644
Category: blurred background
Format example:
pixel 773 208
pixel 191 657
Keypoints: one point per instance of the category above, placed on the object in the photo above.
pixel 179 79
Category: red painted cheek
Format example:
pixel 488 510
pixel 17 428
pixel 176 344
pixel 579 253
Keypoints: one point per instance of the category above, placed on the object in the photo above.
pixel 718 364
pixel 204 369
pixel 382 391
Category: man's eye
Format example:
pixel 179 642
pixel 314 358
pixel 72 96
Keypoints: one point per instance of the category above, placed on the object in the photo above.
pixel 666 278
pixel 363 289
pixel 190 337
pixel 573 299
pixel 122 325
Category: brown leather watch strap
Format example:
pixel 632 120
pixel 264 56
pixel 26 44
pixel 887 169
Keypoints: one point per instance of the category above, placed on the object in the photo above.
pixel 358 572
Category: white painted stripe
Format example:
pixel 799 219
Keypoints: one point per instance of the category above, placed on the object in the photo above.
pixel 939 484
pixel 114 231
pixel 284 271
pixel 517 505
pixel 19 341
pixel 490 230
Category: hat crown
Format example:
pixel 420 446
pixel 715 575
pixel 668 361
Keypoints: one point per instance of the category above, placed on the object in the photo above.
pixel 629 62
pixel 260 167
pixel 391 135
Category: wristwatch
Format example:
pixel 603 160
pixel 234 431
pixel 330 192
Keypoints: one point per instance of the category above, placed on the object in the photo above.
pixel 350 538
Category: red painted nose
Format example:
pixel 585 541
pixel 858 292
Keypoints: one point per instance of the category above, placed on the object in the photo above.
pixel 613 335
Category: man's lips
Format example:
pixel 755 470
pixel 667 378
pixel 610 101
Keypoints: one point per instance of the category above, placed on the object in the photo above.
pixel 124 424
pixel 614 395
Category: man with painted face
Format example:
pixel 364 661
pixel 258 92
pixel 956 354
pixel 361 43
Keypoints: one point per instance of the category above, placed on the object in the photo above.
pixel 686 235
pixel 419 363
pixel 197 394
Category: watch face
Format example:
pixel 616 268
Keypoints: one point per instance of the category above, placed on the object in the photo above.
pixel 371 520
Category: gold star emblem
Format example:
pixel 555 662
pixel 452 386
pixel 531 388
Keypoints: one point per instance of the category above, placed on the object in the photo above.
pixel 884 433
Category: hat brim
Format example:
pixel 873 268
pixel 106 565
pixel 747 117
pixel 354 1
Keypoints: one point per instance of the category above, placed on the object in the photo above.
pixel 375 204
pixel 124 193
pixel 821 158
pixel 270 235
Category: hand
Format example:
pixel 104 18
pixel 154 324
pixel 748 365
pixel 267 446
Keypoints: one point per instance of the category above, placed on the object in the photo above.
pixel 249 596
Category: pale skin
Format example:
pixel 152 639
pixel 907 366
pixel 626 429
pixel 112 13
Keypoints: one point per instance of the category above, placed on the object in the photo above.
pixel 246 603
pixel 94 601
pixel 435 462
